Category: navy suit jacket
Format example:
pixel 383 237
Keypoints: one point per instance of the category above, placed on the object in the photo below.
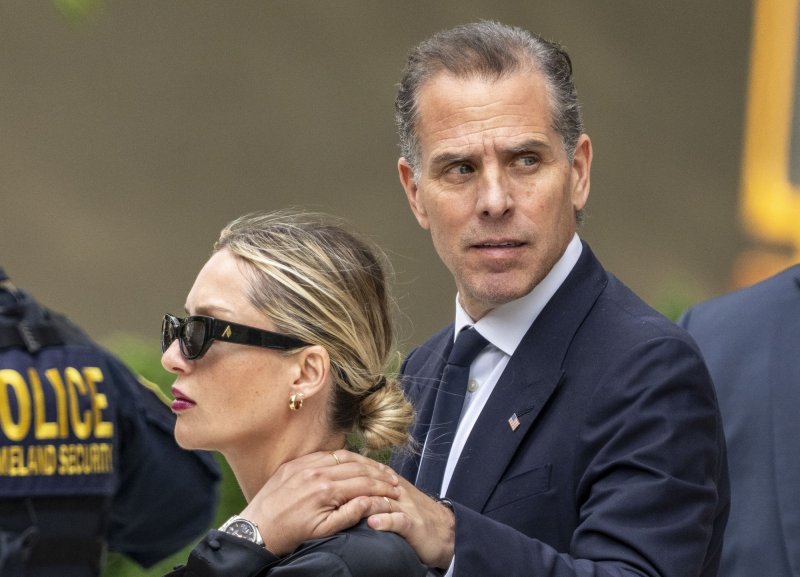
pixel 618 464
pixel 751 342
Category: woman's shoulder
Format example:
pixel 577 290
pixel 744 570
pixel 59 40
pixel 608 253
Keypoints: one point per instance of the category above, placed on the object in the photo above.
pixel 357 552
pixel 361 552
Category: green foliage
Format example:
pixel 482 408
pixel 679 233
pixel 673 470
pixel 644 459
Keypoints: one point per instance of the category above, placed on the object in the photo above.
pixel 674 299
pixel 144 357
pixel 77 11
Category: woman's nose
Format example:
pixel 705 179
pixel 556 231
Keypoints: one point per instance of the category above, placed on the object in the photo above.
pixel 173 360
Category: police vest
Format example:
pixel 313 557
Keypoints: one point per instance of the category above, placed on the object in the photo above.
pixel 57 420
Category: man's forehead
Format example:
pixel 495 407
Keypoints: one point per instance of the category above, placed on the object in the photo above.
pixel 445 96
pixel 445 77
pixel 512 111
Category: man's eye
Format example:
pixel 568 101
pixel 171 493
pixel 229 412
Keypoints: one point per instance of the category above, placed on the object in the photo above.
pixel 528 160
pixel 461 169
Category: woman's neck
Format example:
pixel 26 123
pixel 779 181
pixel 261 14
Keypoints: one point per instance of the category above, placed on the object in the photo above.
pixel 254 464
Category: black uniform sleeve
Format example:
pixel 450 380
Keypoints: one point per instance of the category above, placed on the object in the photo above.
pixel 167 496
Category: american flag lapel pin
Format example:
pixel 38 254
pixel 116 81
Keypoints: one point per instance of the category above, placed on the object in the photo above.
pixel 513 422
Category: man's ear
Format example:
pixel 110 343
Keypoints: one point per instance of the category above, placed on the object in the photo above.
pixel 581 172
pixel 412 192
pixel 311 371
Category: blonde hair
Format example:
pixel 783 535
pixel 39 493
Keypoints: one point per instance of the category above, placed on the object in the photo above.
pixel 321 282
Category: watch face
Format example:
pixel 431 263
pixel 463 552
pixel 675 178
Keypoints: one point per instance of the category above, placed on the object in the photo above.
pixel 243 529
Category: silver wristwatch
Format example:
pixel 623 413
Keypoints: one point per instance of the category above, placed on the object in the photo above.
pixel 242 528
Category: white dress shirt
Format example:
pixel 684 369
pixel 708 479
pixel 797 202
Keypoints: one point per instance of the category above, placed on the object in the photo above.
pixel 504 328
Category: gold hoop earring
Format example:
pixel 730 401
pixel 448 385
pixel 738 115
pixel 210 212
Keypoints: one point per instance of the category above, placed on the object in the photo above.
pixel 296 401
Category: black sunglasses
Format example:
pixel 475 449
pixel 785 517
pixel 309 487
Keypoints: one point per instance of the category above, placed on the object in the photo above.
pixel 196 333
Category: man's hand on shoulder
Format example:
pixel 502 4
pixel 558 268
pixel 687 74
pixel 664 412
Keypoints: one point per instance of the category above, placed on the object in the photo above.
pixel 428 525
pixel 318 495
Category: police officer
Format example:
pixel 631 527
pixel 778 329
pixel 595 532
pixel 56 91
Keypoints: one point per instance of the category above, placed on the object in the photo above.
pixel 88 461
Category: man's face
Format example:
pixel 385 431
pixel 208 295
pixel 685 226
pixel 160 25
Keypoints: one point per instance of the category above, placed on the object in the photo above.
pixel 496 188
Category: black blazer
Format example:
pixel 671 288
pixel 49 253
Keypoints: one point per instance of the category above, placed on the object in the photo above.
pixel 751 342
pixel 618 464
pixel 357 552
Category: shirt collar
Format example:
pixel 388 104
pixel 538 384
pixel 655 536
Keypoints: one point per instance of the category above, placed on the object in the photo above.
pixel 505 325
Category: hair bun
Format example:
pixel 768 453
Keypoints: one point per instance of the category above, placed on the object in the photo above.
pixel 376 387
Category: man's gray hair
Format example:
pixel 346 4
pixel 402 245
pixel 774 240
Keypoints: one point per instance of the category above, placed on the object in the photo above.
pixel 487 49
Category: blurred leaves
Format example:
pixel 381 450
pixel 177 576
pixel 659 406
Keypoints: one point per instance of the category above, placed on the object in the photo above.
pixel 677 296
pixel 78 11
pixel 142 356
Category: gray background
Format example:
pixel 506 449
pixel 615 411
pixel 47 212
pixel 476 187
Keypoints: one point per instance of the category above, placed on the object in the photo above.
pixel 129 139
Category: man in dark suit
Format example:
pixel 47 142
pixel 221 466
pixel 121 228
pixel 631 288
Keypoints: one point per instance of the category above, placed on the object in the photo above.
pixel 751 340
pixel 589 439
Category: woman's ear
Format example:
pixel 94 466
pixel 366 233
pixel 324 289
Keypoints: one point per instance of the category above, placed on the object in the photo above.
pixel 313 367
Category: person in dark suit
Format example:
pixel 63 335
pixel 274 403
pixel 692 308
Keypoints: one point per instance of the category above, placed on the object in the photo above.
pixel 590 440
pixel 750 340
pixel 586 437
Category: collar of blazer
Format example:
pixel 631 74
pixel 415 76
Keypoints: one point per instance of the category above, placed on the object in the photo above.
pixel 533 374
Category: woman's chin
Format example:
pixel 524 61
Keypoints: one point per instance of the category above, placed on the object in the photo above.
pixel 186 440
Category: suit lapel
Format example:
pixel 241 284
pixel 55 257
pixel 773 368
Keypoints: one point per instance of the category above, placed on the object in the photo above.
pixel 533 374
pixel 492 442
pixel 421 388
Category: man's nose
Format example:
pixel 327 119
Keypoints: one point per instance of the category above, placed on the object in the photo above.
pixel 495 198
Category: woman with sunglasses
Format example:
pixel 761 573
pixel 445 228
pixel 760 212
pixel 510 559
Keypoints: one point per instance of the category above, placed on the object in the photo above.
pixel 284 355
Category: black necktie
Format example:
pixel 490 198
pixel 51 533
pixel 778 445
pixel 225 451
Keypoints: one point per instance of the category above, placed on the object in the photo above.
pixel 447 410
